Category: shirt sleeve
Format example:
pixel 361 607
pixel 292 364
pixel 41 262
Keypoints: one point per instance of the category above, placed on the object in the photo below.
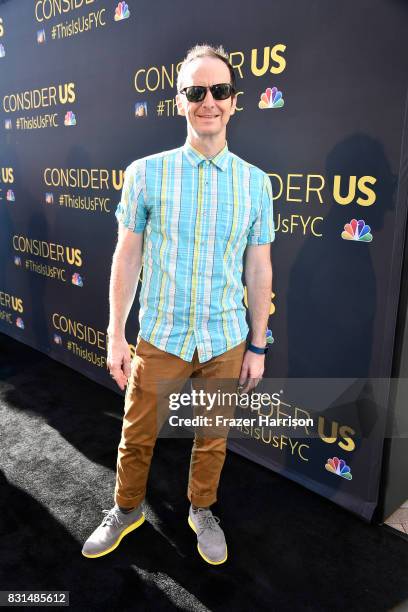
pixel 263 229
pixel 131 210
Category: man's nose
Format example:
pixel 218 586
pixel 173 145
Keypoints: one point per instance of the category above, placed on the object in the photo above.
pixel 208 99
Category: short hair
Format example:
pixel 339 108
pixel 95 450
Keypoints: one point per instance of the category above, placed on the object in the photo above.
pixel 205 50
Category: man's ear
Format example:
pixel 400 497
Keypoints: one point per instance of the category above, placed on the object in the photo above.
pixel 233 104
pixel 179 102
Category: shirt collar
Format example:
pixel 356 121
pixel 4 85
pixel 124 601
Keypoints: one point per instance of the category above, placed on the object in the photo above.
pixel 195 157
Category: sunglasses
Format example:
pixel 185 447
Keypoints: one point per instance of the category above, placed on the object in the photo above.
pixel 197 93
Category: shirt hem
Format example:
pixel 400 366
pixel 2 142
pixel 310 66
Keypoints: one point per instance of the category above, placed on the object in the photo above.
pixel 190 360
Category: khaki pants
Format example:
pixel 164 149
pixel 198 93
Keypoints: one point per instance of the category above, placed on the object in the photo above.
pixel 142 420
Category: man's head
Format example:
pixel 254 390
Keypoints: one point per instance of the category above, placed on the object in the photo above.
pixel 206 66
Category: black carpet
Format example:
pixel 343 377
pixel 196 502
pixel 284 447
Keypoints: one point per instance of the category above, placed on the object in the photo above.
pixel 289 549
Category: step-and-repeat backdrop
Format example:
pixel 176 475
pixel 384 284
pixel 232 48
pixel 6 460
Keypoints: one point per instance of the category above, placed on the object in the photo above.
pixel 88 86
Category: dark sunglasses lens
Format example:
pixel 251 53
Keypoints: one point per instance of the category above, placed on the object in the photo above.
pixel 222 91
pixel 195 93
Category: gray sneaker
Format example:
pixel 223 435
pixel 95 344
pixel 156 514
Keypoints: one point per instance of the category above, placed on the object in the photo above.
pixel 210 537
pixel 114 527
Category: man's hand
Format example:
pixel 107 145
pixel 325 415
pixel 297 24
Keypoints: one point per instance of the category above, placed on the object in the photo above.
pixel 119 360
pixel 252 368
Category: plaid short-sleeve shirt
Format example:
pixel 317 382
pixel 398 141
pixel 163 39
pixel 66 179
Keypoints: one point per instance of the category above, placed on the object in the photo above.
pixel 198 215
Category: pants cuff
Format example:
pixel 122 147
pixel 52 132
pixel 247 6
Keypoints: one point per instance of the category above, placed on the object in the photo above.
pixel 128 502
pixel 202 501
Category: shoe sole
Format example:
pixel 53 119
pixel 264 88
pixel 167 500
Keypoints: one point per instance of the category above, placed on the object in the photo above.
pixel 190 522
pixel 128 529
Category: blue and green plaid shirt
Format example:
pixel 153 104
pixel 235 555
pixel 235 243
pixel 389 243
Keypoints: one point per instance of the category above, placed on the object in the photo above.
pixel 198 216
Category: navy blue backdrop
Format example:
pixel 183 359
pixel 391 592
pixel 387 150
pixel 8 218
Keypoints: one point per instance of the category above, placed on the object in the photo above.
pixel 86 87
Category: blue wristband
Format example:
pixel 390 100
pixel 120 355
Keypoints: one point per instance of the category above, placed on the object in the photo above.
pixel 257 349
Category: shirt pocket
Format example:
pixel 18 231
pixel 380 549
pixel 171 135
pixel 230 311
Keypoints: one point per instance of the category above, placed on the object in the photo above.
pixel 224 222
pixel 233 224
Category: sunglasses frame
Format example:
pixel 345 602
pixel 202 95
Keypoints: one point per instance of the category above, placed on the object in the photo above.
pixel 205 88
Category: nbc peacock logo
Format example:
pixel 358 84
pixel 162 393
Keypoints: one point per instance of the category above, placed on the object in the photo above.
pixel 10 197
pixel 77 280
pixel 41 36
pixel 269 338
pixel 357 231
pixel 69 118
pixel 339 467
pixel 271 98
pixel 122 11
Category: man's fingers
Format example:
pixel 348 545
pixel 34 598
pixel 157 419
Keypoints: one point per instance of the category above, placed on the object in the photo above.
pixel 243 376
pixel 247 387
pixel 251 383
pixel 126 368
pixel 119 375
pixel 120 380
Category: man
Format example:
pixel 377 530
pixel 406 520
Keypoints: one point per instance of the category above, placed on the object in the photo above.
pixel 188 215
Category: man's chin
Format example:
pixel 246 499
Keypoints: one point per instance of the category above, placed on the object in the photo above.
pixel 208 132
